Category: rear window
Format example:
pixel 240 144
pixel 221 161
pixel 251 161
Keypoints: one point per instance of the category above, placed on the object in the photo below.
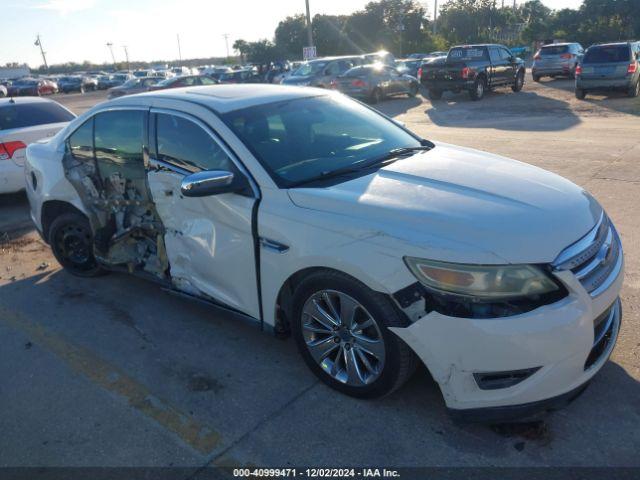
pixel 468 54
pixel 554 50
pixel 357 72
pixel 607 54
pixel 29 114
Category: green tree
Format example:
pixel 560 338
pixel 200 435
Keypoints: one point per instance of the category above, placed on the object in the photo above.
pixel 291 35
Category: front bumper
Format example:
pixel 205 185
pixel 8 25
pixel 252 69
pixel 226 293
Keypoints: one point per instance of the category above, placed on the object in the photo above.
pixel 558 338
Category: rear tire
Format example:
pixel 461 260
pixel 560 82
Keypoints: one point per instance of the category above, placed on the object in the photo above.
pixel 374 353
pixel 479 89
pixel 518 83
pixel 413 91
pixel 580 93
pixel 634 90
pixel 81 90
pixel 71 241
pixel 376 96
pixel 435 94
pixel 536 78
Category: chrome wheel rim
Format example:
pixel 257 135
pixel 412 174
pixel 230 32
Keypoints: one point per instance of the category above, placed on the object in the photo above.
pixel 343 338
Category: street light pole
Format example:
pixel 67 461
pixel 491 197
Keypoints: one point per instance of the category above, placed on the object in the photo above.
pixel 226 42
pixel 126 54
pixel 110 45
pixel 44 58
pixel 309 30
pixel 435 15
pixel 179 50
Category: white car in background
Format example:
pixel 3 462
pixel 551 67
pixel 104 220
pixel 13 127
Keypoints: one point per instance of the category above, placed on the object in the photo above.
pixel 24 120
pixel 313 214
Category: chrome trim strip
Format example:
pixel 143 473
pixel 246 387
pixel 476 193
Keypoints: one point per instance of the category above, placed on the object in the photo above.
pixel 563 261
pixel 598 259
pixel 614 273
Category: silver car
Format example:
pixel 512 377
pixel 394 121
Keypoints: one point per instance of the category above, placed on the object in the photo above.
pixel 557 59
pixel 321 72
pixel 375 82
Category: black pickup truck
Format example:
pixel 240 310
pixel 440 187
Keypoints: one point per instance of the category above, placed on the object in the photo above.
pixel 475 68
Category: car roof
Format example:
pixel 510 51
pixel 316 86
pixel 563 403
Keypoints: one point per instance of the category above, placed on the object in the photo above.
pixel 561 44
pixel 23 100
pixel 227 98
pixel 612 44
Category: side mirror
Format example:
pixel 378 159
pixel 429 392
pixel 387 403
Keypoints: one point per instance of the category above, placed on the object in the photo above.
pixel 211 182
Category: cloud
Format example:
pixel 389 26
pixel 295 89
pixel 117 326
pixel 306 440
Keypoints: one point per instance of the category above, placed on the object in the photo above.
pixel 64 7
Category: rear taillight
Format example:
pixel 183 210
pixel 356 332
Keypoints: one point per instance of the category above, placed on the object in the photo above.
pixel 419 73
pixel 632 68
pixel 358 83
pixel 7 149
pixel 333 84
pixel 578 69
pixel 566 55
pixel 467 72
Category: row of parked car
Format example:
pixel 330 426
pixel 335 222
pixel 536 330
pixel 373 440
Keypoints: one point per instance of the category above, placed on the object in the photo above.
pixel 479 68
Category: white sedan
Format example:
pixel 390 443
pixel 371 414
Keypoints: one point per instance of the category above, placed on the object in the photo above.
pixel 313 214
pixel 24 120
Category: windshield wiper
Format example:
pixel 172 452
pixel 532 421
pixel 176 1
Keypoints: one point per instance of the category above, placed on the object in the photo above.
pixel 379 162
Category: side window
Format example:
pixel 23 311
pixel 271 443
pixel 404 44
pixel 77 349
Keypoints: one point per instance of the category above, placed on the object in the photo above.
pixel 118 144
pixel 494 55
pixel 189 81
pixel 207 81
pixel 80 143
pixel 332 69
pixel 186 145
pixel 505 54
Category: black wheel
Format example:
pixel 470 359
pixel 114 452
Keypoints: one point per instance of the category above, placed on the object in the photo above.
pixel 71 241
pixel 518 83
pixel 341 328
pixel 435 94
pixel 634 90
pixel 580 93
pixel 478 89
pixel 376 96
pixel 413 90
pixel 536 78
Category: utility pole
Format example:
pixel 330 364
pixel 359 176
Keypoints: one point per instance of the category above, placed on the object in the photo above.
pixel 38 43
pixel 226 42
pixel 309 30
pixel 110 45
pixel 126 55
pixel 435 15
pixel 179 51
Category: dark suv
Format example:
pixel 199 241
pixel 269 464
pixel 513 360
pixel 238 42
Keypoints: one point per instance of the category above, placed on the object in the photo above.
pixel 612 66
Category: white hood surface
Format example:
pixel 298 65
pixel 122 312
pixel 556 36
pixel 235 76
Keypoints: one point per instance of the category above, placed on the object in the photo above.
pixel 454 200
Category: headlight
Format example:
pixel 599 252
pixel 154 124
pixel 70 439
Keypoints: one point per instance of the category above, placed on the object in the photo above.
pixel 491 282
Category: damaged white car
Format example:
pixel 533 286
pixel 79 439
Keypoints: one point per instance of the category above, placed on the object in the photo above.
pixel 311 213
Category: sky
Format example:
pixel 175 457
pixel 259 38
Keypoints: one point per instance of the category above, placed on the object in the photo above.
pixel 78 30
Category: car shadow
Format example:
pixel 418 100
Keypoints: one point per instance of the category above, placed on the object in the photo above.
pixel 503 110
pixel 614 100
pixel 394 106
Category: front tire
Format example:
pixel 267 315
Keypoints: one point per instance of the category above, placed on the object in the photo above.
pixel 518 83
pixel 71 241
pixel 536 78
pixel 479 89
pixel 341 328
pixel 413 91
pixel 376 96
pixel 580 93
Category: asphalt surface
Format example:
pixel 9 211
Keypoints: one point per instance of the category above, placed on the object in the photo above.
pixel 112 371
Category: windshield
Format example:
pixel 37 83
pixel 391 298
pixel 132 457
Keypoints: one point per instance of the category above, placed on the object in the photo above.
pixel 607 54
pixel 468 54
pixel 301 139
pixel 131 83
pixel 309 68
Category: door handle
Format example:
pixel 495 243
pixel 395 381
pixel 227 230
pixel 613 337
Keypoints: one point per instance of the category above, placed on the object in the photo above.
pixel 273 245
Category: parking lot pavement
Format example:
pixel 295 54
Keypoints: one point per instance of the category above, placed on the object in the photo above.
pixel 113 371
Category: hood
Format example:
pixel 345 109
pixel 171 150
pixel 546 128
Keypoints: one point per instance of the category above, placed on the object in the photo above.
pixel 459 204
